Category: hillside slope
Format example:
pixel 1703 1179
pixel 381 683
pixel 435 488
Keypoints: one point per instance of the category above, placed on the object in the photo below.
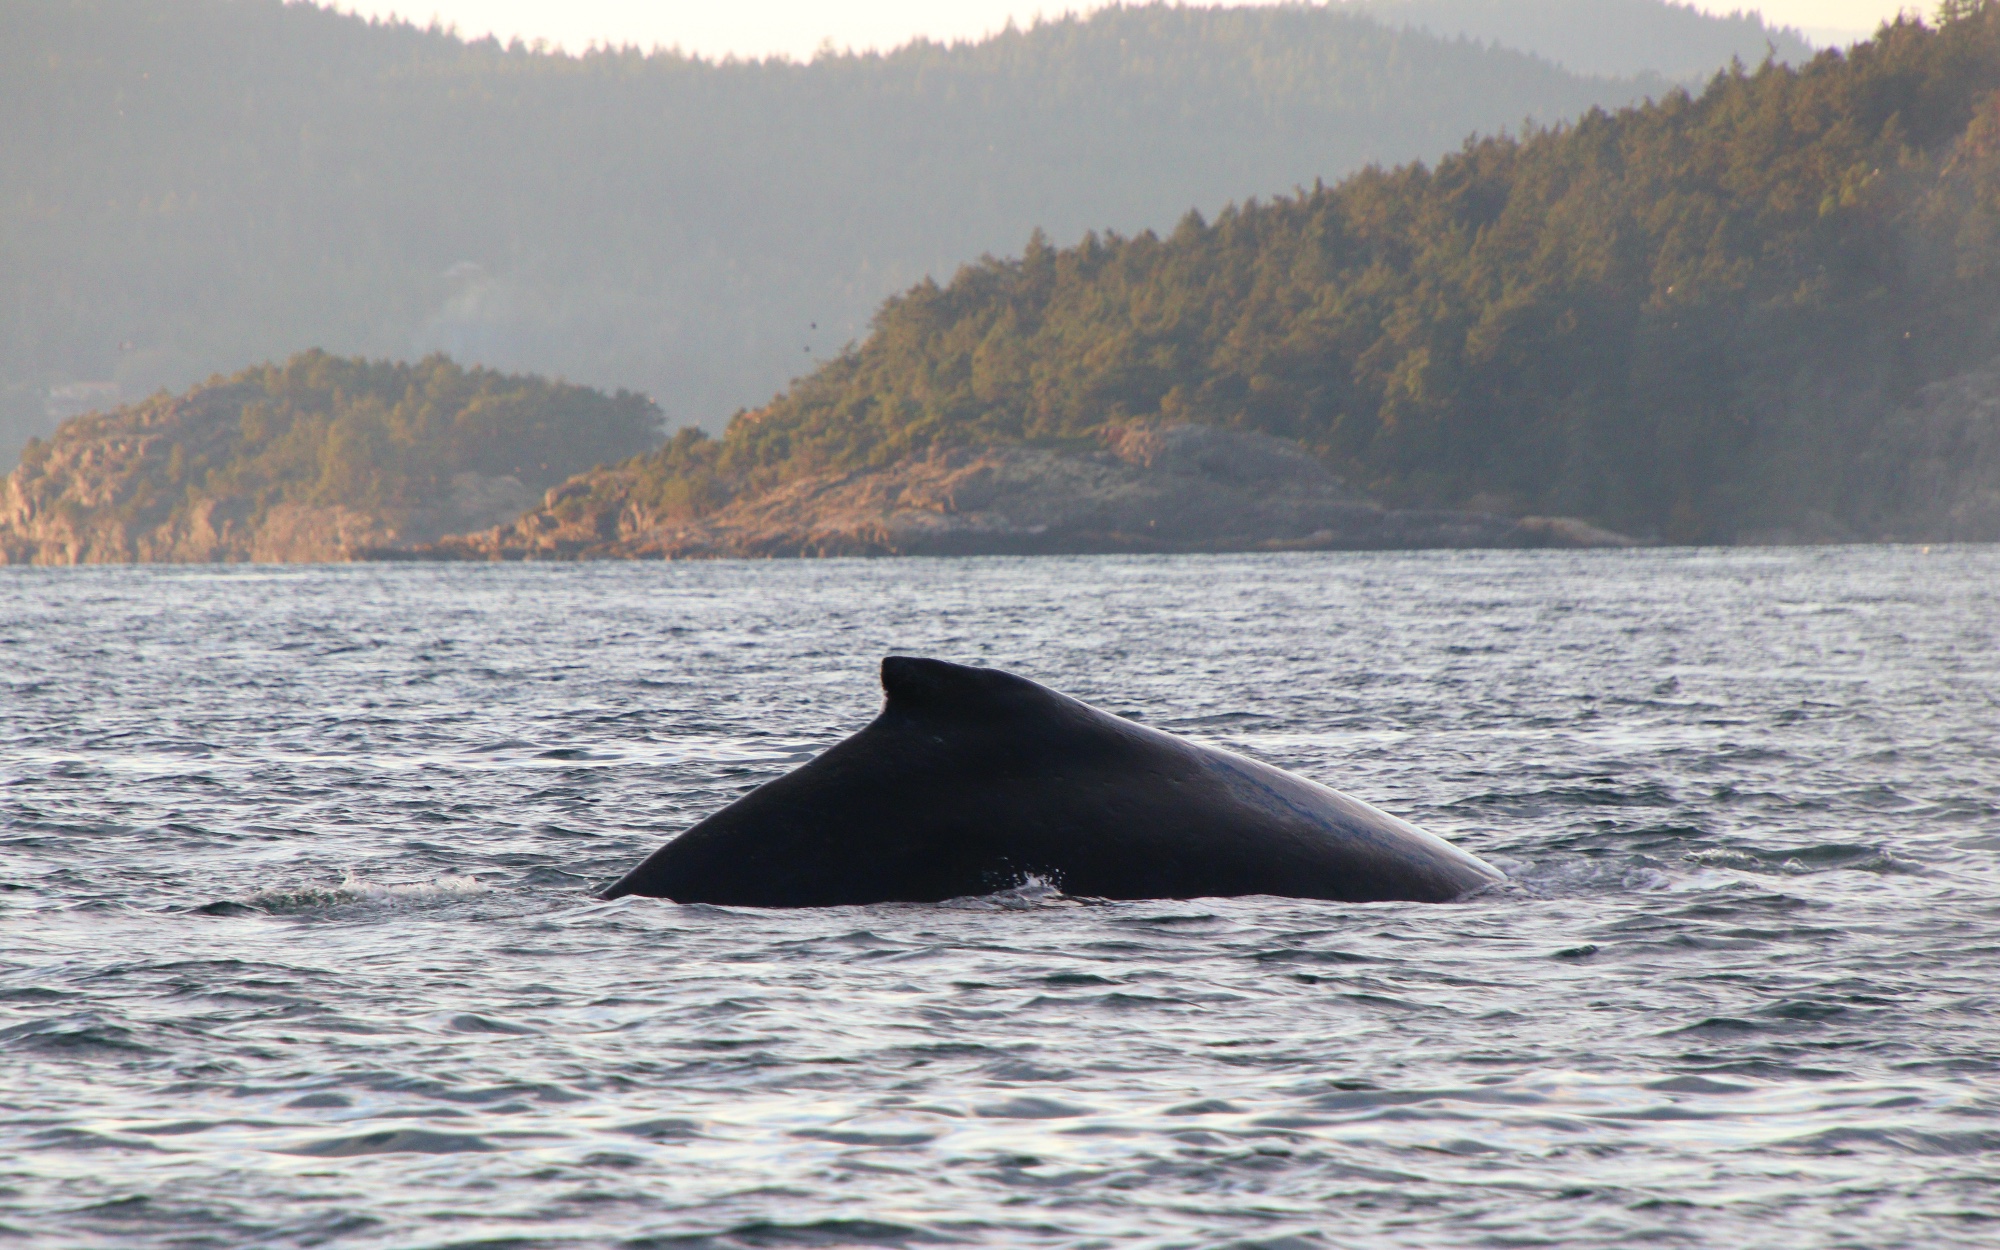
pixel 306 461
pixel 1696 319
pixel 186 185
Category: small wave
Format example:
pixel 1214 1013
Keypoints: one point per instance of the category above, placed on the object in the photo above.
pixel 857 1137
pixel 1595 792
pixel 1032 1108
pixel 1572 876
pixel 351 889
pixel 393 1141
pixel 828 1233
pixel 467 1022
pixel 80 1035
pixel 1033 890
pixel 1065 979
pixel 83 1139
pixel 1802 860
pixel 1301 955
pixel 1732 857
pixel 1909 1141
pixel 662 1130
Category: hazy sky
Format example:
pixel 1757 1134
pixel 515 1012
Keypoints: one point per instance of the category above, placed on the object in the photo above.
pixel 798 27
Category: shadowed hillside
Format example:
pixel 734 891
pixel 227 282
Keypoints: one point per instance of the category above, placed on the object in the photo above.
pixel 187 185
pixel 1706 319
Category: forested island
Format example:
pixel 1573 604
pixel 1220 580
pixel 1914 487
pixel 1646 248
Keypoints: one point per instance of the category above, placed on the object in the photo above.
pixel 187 186
pixel 309 460
pixel 1766 312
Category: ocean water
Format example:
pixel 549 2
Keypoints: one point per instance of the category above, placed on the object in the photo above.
pixel 297 946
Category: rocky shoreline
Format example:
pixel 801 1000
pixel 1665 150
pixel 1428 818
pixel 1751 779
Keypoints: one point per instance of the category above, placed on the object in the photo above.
pixel 1145 488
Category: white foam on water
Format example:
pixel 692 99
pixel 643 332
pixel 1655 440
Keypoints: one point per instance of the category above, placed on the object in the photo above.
pixel 352 889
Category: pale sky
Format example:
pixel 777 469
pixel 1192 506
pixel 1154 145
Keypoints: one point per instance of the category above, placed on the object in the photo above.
pixel 797 28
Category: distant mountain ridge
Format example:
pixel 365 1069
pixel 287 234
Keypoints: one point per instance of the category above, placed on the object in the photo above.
pixel 1611 38
pixel 190 185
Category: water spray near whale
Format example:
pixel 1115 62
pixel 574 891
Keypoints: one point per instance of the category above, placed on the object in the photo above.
pixel 973 779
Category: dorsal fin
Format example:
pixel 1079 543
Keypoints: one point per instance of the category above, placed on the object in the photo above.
pixel 914 683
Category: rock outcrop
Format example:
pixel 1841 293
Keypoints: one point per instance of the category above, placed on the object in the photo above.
pixel 93 497
pixel 102 492
pixel 308 461
pixel 1142 488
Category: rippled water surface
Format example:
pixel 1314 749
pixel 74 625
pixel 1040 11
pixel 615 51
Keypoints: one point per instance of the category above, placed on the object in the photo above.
pixel 297 948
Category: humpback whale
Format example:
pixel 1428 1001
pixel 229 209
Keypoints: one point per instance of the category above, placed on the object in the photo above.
pixel 973 779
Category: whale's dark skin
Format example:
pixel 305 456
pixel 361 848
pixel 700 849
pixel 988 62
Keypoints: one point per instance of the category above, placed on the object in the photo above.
pixel 972 778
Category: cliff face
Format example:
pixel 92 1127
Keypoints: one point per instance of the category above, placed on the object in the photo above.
pixel 108 489
pixel 1934 469
pixel 1142 488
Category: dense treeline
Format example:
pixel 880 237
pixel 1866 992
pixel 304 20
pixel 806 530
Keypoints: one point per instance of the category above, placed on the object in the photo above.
pixel 387 436
pixel 1689 318
pixel 187 185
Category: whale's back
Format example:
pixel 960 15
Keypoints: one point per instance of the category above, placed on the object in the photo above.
pixel 972 779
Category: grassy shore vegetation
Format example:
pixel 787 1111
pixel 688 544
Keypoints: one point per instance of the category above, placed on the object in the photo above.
pixel 377 437
pixel 1685 318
